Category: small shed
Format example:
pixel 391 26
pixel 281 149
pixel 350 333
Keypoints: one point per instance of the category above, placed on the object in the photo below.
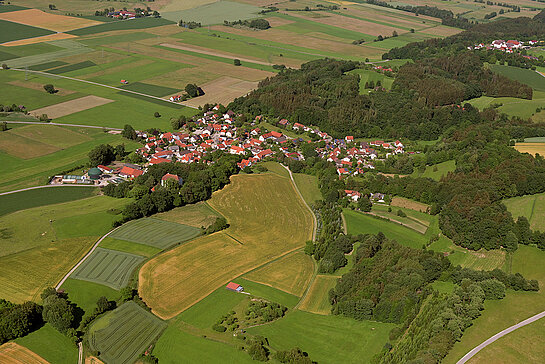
pixel 234 287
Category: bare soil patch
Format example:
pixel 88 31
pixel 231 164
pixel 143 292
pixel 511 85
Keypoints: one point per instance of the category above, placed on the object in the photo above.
pixel 39 87
pixel 72 106
pixel 222 90
pixel 45 38
pixel 40 19
pixel 12 353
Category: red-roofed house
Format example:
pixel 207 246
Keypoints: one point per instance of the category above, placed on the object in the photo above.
pixel 104 169
pixel 265 153
pixel 130 172
pixel 234 287
pixel 169 176
pixel 236 150
pixel 158 161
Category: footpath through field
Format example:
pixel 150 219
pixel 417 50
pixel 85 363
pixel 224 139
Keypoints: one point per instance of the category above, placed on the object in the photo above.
pixel 500 334
pixel 102 85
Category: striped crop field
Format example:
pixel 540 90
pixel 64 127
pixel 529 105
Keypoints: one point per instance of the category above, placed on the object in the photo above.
pixel 158 233
pixel 109 267
pixel 122 335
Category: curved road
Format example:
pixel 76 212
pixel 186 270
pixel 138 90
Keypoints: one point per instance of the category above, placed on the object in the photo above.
pixel 500 334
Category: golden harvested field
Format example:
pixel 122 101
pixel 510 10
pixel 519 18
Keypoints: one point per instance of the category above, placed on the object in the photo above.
pixel 291 273
pixel 267 220
pixel 197 215
pixel 222 90
pixel 39 87
pixel 40 19
pixel 317 300
pixel 12 353
pixel 45 38
pixel 409 204
pixel 72 106
pixel 532 148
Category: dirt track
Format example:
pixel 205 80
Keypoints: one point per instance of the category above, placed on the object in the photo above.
pixel 212 53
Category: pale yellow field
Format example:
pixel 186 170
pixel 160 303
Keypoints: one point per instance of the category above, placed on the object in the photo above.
pixel 72 106
pixel 532 148
pixel 317 298
pixel 40 19
pixel 45 38
pixel 291 273
pixel 222 90
pixel 12 353
pixel 267 220
pixel 409 204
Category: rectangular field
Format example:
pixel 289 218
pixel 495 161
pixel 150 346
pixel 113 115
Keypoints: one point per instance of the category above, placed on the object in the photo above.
pixel 157 233
pixel 72 106
pixel 72 67
pixel 139 23
pixel 108 267
pixel 531 148
pixel 10 31
pixel 123 334
pixel 528 77
pixel 291 273
pixel 13 353
pixel 317 299
pixel 154 90
pixel 54 22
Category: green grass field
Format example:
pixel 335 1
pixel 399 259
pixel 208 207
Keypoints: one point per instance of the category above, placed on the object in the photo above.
pixel 108 267
pixel 196 215
pixel 176 343
pixel 327 339
pixel 530 206
pixel 41 197
pixel 38 246
pixel 10 31
pixel 123 334
pixel 370 75
pixel 513 106
pixel 129 247
pixel 85 294
pixel 156 233
pixel 47 65
pixel 528 77
pixel 308 186
pixel 267 292
pixel 215 13
pixel 72 67
pixel 418 221
pixel 359 223
pixel 317 299
pixel 436 171
pixel 51 345
pixel 159 91
pixel 140 23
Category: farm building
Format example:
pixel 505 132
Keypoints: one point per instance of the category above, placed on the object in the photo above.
pixel 94 173
pixel 234 287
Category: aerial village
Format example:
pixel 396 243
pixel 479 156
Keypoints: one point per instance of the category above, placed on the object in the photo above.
pixel 508 46
pixel 216 131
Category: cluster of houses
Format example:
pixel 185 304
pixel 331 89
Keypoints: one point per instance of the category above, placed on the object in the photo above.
pixel 382 69
pixel 122 14
pixel 508 46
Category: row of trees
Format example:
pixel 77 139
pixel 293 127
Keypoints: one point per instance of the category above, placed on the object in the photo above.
pixel 260 23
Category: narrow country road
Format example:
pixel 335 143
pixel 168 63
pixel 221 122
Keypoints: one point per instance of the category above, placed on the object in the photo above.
pixel 59 124
pixel 102 85
pixel 84 258
pixel 46 186
pixel 80 353
pixel 500 334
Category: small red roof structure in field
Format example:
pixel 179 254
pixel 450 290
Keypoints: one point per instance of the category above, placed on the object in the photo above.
pixel 234 287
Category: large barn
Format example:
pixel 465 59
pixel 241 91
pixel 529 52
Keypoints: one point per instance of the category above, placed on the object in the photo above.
pixel 234 287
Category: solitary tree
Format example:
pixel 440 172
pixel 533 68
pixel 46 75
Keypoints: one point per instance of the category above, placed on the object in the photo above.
pixel 236 62
pixel 50 88
pixel 156 114
pixel 129 132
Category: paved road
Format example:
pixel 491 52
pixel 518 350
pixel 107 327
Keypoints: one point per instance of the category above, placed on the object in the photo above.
pixel 489 341
pixel 59 124
pixel 46 186
pixel 102 85
pixel 58 286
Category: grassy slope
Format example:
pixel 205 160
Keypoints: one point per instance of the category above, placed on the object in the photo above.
pixel 369 75
pixel 50 345
pixel 442 169
pixel 308 186
pixel 531 206
pixel 317 299
pixel 327 339
pixel 129 247
pixel 85 294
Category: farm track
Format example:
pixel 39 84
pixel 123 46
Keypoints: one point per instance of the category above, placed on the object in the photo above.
pixel 102 85
pixel 46 186
pixel 60 124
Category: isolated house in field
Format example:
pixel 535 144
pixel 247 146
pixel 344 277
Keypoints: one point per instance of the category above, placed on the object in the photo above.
pixel 234 287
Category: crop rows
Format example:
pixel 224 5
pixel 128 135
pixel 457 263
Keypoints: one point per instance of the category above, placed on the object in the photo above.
pixel 108 267
pixel 129 332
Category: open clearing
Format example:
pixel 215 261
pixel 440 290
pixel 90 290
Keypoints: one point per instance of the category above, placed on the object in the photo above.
pixel 39 86
pixel 530 206
pixel 531 148
pixel 157 233
pixel 40 19
pixel 436 171
pixel 175 280
pixel 72 106
pixel 39 245
pixel 109 267
pixel 317 299
pixel 85 294
pixel 12 353
pixel 291 273
pixel 327 339
pixel 123 334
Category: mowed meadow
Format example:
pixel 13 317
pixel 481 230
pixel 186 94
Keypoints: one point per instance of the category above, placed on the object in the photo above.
pixel 262 211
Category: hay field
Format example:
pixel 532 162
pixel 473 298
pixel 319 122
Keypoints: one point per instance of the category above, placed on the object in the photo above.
pixel 12 353
pixel 262 211
pixel 213 12
pixel 72 106
pixel 39 87
pixel 54 22
pixel 156 233
pixel 24 148
pixel 196 215
pixel 123 334
pixel 223 91
pixel 316 300
pixel 531 148
pixel 409 204
pixel 291 273
pixel 531 206
pixel 108 267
